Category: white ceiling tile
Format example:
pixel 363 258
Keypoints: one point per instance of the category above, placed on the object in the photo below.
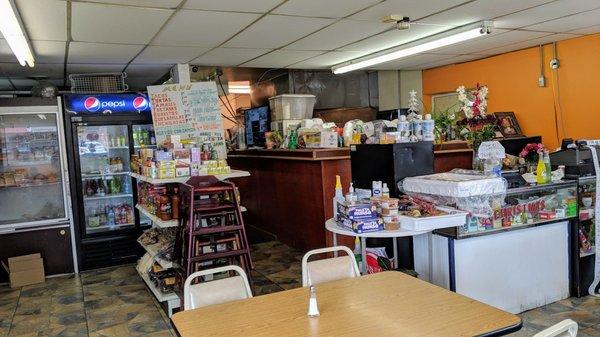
pixel 281 58
pixel 274 31
pixel 453 60
pixel 530 43
pixel 78 68
pixel 587 30
pixel 147 71
pixel 412 61
pixel 316 8
pixel 326 60
pixel 568 23
pixel 411 8
pixel 46 70
pixel 339 34
pixel 481 10
pixel 170 55
pixel 49 51
pixel 549 11
pixel 6 54
pixel 200 28
pixel 228 56
pixel 142 3
pixel 44 19
pixel 132 25
pixel 393 38
pixel 84 52
pixel 251 6
pixel 498 38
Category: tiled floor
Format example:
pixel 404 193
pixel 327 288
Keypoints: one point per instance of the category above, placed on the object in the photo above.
pixel 115 302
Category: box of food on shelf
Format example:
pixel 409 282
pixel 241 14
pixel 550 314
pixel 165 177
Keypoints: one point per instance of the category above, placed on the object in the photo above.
pixel 357 211
pixel 361 226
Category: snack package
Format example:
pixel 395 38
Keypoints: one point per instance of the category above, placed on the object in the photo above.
pixel 377 260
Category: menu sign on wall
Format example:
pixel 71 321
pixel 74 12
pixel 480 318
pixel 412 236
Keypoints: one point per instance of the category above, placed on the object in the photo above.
pixel 190 111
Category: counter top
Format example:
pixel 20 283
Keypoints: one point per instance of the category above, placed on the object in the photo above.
pixel 299 154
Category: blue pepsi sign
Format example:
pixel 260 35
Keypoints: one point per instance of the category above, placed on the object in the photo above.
pixel 107 103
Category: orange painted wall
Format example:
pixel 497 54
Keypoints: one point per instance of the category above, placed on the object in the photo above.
pixel 512 81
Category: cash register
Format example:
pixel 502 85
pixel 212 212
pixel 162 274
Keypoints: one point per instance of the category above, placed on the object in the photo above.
pixel 576 157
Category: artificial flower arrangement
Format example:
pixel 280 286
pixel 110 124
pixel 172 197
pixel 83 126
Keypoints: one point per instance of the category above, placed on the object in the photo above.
pixel 530 152
pixel 477 126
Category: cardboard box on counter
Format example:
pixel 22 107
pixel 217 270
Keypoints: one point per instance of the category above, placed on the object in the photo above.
pixel 357 211
pixel 361 226
pixel 25 270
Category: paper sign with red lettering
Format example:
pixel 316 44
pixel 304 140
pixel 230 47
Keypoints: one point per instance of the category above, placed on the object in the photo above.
pixel 189 110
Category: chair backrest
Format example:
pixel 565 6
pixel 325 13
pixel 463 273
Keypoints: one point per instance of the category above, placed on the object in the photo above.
pixel 331 269
pixel 568 325
pixel 218 291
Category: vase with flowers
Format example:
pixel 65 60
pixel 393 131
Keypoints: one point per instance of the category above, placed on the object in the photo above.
pixel 530 155
pixel 477 127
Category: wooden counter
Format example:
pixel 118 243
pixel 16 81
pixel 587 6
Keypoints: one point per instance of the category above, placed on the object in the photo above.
pixel 289 192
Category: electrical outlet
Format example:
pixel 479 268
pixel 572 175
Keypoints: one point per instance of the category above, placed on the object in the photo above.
pixel 554 64
pixel 541 81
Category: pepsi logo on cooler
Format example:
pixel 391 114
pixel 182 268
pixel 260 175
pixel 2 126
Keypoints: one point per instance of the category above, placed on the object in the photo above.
pixel 101 103
pixel 91 104
pixel 140 103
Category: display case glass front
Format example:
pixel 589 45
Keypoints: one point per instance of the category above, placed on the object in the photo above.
pixel 31 187
pixel 105 181
pixel 587 216
pixel 526 206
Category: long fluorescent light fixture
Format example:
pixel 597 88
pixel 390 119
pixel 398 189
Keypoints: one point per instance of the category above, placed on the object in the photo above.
pixel 10 26
pixel 242 87
pixel 426 44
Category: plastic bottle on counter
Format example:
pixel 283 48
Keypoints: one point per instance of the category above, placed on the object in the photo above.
pixel 338 196
pixel 403 129
pixel 417 129
pixel 351 196
pixel 427 128
pixel 548 166
pixel 540 172
pixel 377 187
pixel 385 191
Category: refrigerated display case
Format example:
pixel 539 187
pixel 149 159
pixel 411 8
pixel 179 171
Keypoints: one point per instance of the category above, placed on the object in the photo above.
pixel 102 133
pixel 34 207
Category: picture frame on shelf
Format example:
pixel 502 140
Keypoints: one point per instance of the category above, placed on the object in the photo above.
pixel 508 124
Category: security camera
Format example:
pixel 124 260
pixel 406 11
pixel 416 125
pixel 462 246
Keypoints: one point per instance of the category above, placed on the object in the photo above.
pixel 195 69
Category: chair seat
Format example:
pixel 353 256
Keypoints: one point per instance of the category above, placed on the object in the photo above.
pixel 333 269
pixel 219 291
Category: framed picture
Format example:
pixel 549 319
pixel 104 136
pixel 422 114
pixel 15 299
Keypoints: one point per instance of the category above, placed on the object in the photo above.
pixel 508 124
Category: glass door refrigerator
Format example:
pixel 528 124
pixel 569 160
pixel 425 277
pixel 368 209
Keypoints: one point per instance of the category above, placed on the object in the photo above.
pixel 35 213
pixel 102 132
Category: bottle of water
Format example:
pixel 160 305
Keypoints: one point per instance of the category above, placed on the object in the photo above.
pixel 427 128
pixel 403 129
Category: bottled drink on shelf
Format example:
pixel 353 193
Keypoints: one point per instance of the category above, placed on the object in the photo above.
pixel 175 203
pixel 101 188
pixel 110 215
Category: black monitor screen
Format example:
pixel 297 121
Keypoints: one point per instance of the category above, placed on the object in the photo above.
pixel 256 123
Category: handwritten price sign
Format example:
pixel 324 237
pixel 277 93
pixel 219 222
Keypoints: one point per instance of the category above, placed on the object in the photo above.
pixel 189 110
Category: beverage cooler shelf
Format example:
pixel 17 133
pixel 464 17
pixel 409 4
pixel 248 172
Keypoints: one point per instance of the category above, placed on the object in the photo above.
pixel 156 220
pixel 102 175
pixel 103 228
pixel 54 183
pixel 110 196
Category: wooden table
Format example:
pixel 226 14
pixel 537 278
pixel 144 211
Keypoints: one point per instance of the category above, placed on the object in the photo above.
pixel 383 304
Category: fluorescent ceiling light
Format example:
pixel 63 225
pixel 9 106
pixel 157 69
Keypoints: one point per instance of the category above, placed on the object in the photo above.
pixel 239 87
pixel 11 29
pixel 434 42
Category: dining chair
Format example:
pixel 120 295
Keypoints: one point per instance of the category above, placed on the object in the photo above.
pixel 329 269
pixel 218 291
pixel 568 326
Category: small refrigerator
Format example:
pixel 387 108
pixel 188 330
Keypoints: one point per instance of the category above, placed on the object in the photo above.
pixel 35 214
pixel 103 131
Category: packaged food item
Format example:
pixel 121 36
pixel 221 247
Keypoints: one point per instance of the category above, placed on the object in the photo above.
pixel 357 211
pixel 362 226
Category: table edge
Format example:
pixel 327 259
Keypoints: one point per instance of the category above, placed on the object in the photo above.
pixel 505 331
